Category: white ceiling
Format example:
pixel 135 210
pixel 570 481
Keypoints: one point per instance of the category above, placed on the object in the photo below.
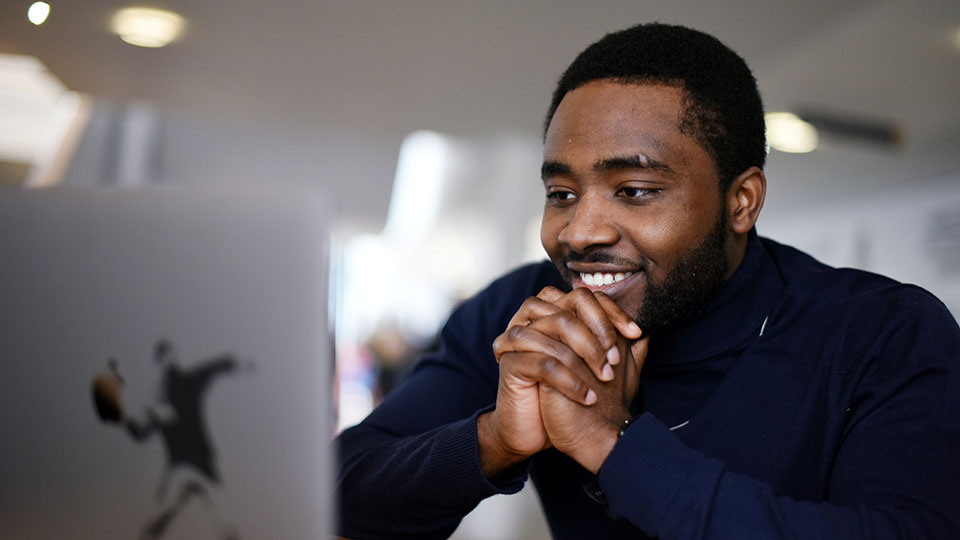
pixel 361 74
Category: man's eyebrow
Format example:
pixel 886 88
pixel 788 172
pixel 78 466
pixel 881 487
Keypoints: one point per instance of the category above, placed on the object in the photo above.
pixel 636 161
pixel 550 169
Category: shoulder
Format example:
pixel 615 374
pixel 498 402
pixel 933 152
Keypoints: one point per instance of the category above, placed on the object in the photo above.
pixel 804 274
pixel 810 280
pixel 860 306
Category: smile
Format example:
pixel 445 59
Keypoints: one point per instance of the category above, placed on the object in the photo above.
pixel 600 278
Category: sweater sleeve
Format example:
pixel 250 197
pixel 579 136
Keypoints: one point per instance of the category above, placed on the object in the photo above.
pixel 411 469
pixel 893 476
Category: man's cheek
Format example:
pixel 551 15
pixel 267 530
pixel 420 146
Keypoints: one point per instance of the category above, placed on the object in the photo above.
pixel 548 239
pixel 632 300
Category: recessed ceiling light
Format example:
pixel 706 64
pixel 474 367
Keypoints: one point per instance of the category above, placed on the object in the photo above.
pixel 786 132
pixel 38 12
pixel 147 27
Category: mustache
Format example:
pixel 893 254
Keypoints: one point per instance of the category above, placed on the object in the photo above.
pixel 600 256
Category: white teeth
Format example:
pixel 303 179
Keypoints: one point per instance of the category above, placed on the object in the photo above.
pixel 599 278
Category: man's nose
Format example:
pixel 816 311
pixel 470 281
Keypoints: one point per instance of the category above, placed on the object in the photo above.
pixel 591 224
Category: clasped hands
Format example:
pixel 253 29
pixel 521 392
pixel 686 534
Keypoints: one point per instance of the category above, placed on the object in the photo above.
pixel 569 369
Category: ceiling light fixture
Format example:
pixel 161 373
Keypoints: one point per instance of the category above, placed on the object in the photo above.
pixel 786 132
pixel 38 12
pixel 147 27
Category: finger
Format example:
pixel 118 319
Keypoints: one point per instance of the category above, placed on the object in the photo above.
pixel 533 339
pixel 529 367
pixel 532 309
pixel 623 322
pixel 551 294
pixel 566 328
pixel 587 308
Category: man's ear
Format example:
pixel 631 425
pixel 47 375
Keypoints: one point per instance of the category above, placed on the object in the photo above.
pixel 745 199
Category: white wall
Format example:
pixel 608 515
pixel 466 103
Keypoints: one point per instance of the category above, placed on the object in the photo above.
pixel 910 233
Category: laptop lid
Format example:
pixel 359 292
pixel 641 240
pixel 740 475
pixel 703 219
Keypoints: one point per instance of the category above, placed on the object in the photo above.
pixel 166 363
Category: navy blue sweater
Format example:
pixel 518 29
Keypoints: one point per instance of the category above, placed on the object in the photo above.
pixel 806 402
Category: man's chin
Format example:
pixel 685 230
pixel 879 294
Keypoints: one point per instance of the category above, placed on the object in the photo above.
pixel 672 306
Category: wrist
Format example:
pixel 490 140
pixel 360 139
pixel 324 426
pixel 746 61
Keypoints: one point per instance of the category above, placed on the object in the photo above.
pixel 495 457
pixel 592 455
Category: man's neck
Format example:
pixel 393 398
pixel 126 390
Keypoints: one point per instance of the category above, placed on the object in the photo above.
pixel 736 249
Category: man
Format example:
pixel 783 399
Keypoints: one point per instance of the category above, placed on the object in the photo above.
pixel 698 381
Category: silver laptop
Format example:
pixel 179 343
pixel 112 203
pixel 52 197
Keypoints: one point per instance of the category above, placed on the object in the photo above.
pixel 165 364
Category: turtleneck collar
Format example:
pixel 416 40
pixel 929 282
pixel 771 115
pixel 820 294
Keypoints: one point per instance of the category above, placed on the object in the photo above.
pixel 736 313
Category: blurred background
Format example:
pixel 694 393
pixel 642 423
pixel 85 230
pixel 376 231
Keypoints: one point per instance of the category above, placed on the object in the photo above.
pixel 422 120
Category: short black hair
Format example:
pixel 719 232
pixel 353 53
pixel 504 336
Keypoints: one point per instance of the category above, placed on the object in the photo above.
pixel 724 112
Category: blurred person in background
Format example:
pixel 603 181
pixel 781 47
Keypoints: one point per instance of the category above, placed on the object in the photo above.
pixel 670 374
pixel 393 356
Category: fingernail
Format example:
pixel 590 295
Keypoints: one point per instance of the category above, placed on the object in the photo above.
pixel 591 397
pixel 613 356
pixel 635 329
pixel 607 373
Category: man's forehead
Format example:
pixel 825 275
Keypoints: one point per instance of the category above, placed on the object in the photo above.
pixel 613 113
pixel 605 98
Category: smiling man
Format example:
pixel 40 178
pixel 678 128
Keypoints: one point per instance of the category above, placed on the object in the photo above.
pixel 670 373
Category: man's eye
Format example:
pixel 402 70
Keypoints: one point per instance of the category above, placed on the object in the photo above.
pixel 560 195
pixel 638 192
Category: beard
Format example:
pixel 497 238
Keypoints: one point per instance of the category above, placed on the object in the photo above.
pixel 688 288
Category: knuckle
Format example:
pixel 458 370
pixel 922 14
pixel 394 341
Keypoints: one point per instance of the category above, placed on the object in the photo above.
pixel 564 318
pixel 530 301
pixel 506 342
pixel 514 333
pixel 581 294
pixel 562 355
pixel 498 344
pixel 548 290
pixel 522 313
pixel 603 328
pixel 554 370
pixel 607 331
pixel 529 307
pixel 548 367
